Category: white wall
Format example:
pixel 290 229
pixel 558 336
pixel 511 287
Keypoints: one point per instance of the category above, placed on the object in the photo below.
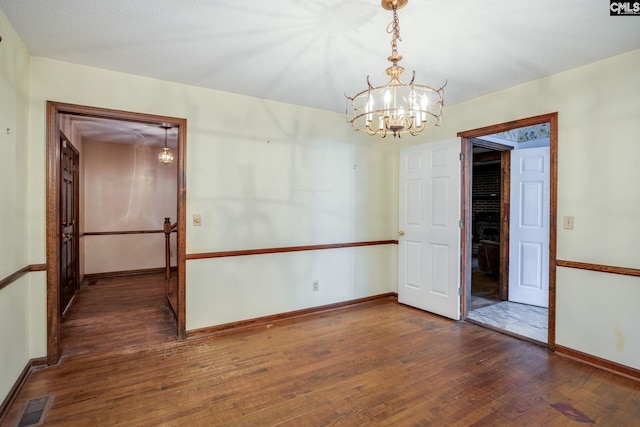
pixel 21 302
pixel 126 188
pixel 246 287
pixel 14 94
pixel 262 174
pixel 598 152
pixel 599 314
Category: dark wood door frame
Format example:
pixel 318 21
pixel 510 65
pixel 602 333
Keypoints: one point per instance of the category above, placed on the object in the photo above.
pixel 467 150
pixel 54 110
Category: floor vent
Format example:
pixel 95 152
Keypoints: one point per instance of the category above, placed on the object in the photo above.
pixel 35 411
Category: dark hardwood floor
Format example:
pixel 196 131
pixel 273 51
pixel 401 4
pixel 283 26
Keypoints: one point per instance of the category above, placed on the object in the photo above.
pixel 118 314
pixel 484 290
pixel 378 363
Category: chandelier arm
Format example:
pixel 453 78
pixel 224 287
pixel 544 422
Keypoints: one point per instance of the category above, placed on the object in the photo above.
pixel 368 84
pixel 413 77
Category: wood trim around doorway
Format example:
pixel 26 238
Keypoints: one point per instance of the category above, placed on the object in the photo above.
pixel 502 153
pixel 505 218
pixel 552 119
pixel 54 110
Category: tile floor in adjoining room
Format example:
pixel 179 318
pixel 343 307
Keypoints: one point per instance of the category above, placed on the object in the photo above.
pixel 525 320
pixel 486 308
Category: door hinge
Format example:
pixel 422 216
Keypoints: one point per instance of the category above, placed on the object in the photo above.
pixel 460 291
pixel 461 223
pixel 461 157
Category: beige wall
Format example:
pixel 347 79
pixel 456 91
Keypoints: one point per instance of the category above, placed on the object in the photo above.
pixel 262 174
pixel 598 151
pixel 14 97
pixel 22 306
pixel 126 188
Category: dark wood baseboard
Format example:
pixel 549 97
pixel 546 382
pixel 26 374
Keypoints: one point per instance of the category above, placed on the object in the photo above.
pixel 607 365
pixel 94 276
pixel 20 382
pixel 261 321
pixel 172 304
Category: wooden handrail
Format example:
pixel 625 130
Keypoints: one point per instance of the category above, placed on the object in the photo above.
pixel 18 274
pixel 167 229
pixel 114 233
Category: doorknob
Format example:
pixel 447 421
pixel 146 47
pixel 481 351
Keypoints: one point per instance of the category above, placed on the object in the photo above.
pixel 64 223
pixel 400 232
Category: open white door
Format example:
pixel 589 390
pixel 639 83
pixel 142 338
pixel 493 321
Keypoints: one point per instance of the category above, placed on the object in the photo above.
pixel 429 214
pixel 529 227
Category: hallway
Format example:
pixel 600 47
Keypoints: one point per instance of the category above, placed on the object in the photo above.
pixel 117 315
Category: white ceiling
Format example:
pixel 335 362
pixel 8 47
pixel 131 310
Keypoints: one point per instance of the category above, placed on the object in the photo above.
pixel 313 52
pixel 93 129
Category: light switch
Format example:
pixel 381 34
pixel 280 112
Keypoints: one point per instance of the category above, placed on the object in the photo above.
pixel 567 222
pixel 197 220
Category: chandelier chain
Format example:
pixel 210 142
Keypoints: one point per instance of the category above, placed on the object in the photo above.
pixel 394 29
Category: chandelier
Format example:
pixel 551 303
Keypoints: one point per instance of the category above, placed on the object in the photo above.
pixel 396 107
pixel 165 155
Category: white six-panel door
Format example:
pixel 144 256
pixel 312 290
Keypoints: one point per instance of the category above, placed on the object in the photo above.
pixel 429 241
pixel 529 227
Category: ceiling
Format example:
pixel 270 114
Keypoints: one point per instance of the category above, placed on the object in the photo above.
pixel 93 129
pixel 311 53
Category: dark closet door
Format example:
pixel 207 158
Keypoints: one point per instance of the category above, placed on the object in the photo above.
pixel 69 209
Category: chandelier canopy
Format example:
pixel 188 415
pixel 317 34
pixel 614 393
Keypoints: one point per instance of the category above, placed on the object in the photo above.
pixel 395 107
pixel 165 155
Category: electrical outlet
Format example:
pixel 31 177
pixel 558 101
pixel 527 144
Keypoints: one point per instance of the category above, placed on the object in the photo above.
pixel 567 222
pixel 316 286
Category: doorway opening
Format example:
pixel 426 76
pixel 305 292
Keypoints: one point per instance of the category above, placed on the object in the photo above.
pixel 487 192
pixel 508 235
pixel 98 120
